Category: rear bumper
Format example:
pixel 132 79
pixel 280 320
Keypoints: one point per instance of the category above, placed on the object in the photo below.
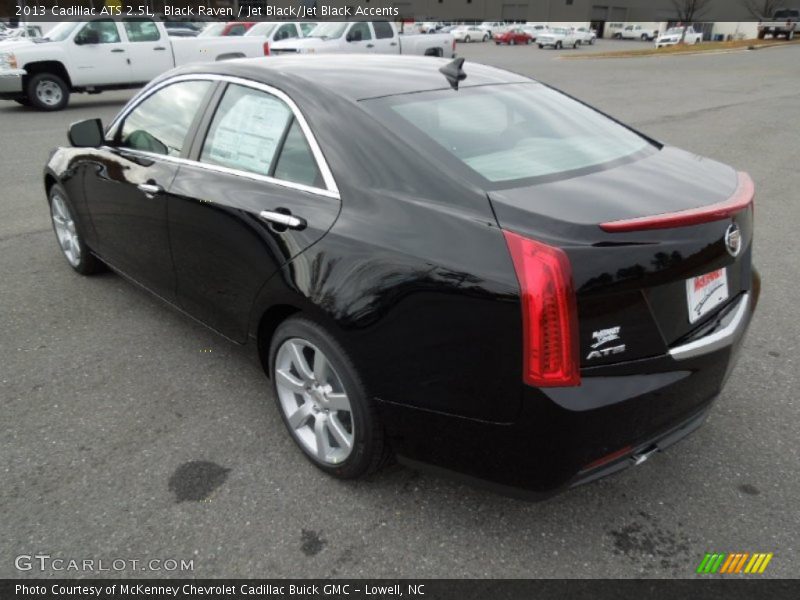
pixel 11 83
pixel 564 437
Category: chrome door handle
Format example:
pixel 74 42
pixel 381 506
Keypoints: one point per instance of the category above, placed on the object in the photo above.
pixel 280 218
pixel 150 189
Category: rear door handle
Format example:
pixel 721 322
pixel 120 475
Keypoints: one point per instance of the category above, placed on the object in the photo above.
pixel 118 50
pixel 370 45
pixel 280 218
pixel 393 44
pixel 150 189
pixel 159 48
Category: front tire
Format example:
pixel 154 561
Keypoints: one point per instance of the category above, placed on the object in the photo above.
pixel 323 402
pixel 467 39
pixel 47 91
pixel 558 46
pixel 22 101
pixel 69 233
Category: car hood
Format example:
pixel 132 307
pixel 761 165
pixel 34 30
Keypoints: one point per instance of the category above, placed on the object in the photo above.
pixel 17 44
pixel 304 43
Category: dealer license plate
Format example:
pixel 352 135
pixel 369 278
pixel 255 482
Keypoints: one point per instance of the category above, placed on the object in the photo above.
pixel 705 292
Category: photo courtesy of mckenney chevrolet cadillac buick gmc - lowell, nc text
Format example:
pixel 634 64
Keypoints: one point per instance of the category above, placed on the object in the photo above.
pixel 448 263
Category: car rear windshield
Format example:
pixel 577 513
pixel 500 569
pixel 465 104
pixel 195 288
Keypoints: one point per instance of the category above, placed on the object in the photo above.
pixel 510 133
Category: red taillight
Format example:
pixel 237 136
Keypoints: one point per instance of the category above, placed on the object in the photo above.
pixel 454 45
pixel 266 48
pixel 549 313
pixel 741 199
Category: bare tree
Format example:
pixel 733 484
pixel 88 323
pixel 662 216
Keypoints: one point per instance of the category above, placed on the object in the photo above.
pixel 688 11
pixel 762 9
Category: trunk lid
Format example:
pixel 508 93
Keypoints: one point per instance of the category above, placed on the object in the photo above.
pixel 631 286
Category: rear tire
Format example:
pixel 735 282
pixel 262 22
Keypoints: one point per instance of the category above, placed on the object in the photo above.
pixel 558 45
pixel 69 233
pixel 541 46
pixel 324 405
pixel 467 39
pixel 47 91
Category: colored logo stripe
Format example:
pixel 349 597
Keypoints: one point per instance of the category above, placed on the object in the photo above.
pixel 721 562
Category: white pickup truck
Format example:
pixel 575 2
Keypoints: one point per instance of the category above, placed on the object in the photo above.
pixel 103 54
pixel 376 37
pixel 673 35
pixel 784 22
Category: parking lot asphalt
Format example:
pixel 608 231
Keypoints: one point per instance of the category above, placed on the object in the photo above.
pixel 112 402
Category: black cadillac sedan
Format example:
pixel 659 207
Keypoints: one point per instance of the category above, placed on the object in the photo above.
pixel 452 264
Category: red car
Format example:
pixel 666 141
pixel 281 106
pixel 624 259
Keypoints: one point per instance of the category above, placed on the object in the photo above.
pixel 237 27
pixel 513 36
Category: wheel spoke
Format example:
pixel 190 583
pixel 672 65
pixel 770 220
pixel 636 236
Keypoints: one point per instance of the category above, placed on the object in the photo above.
pixel 344 439
pixel 299 417
pixel 320 367
pixel 285 379
pixel 338 402
pixel 323 445
pixel 299 361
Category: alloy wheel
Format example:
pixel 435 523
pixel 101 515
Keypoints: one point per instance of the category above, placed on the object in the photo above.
pixel 314 401
pixel 66 232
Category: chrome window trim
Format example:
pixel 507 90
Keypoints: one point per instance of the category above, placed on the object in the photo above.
pixel 720 338
pixel 330 190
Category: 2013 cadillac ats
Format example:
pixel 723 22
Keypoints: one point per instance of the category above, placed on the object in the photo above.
pixel 458 265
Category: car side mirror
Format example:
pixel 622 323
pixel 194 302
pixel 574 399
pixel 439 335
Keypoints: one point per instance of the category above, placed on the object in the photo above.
pixel 87 36
pixel 354 36
pixel 86 134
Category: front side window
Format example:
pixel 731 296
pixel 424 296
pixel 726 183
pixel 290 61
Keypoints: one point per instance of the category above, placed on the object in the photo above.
pixel 383 30
pixel 359 32
pixel 102 31
pixel 285 32
pixel 141 30
pixel 247 129
pixel 512 132
pixel 160 124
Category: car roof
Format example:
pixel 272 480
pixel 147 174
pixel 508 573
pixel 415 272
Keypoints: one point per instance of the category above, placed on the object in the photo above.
pixel 354 77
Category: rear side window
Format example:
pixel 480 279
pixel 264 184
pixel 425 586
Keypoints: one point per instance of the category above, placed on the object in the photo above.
pixel 141 30
pixel 160 123
pixel 382 30
pixel 237 30
pixel 296 162
pixel 247 130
